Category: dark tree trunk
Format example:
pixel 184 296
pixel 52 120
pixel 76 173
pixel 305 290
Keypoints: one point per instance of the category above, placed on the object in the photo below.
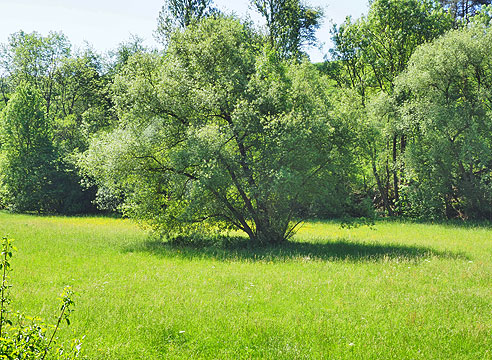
pixel 268 236
pixel 381 189
pixel 396 184
pixel 403 146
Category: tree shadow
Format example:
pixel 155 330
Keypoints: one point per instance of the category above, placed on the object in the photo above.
pixel 448 223
pixel 238 248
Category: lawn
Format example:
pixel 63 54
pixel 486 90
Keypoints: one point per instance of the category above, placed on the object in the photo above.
pixel 395 291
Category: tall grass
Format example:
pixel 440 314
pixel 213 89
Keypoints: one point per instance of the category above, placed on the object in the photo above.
pixel 397 291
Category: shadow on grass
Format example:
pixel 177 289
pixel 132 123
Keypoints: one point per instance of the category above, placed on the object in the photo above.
pixel 239 248
pixel 451 223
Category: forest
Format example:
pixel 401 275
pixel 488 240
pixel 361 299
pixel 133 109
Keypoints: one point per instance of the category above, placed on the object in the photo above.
pixel 230 126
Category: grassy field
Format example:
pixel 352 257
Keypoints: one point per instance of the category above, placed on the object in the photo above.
pixel 398 291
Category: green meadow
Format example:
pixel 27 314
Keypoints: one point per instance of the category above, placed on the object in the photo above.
pixel 394 291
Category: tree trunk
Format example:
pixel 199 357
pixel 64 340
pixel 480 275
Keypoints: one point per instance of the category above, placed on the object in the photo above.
pixel 267 234
pixel 396 184
pixel 381 189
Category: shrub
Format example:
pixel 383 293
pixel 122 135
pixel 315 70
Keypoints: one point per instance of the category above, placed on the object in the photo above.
pixel 31 338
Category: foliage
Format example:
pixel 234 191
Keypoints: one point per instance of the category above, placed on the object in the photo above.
pixel 448 112
pixel 30 339
pixel 203 133
pixel 483 17
pixel 125 50
pixel 463 10
pixel 34 59
pixel 376 48
pixel 28 155
pixel 217 131
pixel 179 14
pixel 370 53
pixel 75 104
pixel 291 25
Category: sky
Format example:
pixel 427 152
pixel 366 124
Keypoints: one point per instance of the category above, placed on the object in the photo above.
pixel 106 23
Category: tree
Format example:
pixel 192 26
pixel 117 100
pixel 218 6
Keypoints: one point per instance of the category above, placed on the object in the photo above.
pixel 34 59
pixel 291 25
pixel 70 83
pixel 28 155
pixel 179 14
pixel 448 111
pixel 218 134
pixel 81 104
pixel 373 51
pixel 463 10
pixel 121 55
pixel 483 17
pixel 75 101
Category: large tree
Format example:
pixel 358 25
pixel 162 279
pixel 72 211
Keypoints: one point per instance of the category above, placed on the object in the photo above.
pixel 449 115
pixel 217 132
pixel 179 14
pixel 291 25
pixel 28 158
pixel 372 52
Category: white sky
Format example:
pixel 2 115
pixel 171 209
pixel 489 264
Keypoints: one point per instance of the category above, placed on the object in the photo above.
pixel 106 23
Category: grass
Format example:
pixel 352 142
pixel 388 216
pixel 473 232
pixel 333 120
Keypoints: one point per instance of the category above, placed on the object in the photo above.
pixel 399 291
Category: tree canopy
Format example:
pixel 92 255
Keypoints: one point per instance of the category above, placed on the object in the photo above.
pixel 28 163
pixel 448 111
pixel 218 132
pixel 179 14
pixel 291 25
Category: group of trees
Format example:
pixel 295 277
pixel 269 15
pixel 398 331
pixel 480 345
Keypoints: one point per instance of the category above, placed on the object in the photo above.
pixel 370 53
pixel 426 116
pixel 463 10
pixel 54 100
pixel 231 127
pixel 447 118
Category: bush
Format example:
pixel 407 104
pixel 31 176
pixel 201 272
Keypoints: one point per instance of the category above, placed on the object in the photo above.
pixel 31 338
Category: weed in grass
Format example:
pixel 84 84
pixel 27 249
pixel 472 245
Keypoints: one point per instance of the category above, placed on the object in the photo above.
pixel 29 338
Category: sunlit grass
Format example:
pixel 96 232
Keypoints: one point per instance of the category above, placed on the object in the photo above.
pixel 396 291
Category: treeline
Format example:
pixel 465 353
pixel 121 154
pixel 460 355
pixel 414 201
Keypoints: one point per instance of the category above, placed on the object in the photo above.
pixel 232 126
pixel 419 82
pixel 53 101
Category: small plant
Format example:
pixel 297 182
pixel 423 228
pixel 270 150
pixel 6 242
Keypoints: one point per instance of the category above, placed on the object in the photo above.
pixel 31 338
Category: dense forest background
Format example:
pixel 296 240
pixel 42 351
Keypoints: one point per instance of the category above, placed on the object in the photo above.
pixel 232 127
